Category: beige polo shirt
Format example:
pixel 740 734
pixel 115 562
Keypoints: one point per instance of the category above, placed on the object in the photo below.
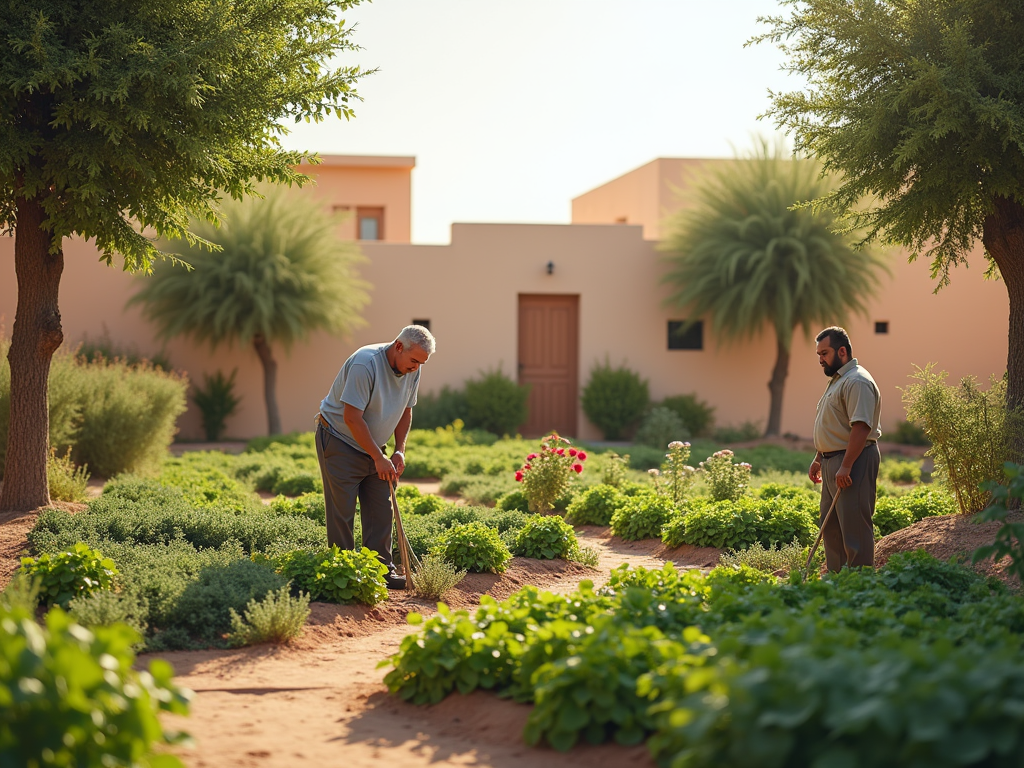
pixel 851 396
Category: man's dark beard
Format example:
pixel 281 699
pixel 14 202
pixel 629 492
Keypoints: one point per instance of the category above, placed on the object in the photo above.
pixel 830 370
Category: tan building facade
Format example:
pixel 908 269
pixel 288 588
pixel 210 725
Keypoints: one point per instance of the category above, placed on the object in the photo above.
pixel 545 303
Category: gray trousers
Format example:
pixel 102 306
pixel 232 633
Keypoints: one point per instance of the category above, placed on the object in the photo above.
pixel 349 474
pixel 849 537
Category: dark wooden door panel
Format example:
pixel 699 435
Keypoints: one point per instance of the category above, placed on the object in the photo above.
pixel 549 361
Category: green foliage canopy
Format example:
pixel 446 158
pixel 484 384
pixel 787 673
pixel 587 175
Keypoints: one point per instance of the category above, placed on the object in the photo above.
pixel 125 117
pixel 281 272
pixel 917 105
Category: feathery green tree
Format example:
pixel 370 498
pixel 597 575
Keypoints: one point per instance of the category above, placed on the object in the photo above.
pixel 742 256
pixel 281 271
pixel 920 107
pixel 124 119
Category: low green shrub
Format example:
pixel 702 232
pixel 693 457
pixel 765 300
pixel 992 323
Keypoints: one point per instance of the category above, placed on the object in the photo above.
pixel 513 500
pixel 473 547
pixel 614 399
pixel 660 427
pixel 495 403
pixel 742 433
pixel 545 538
pixel 897 471
pixel 311 505
pixel 892 513
pixel 441 408
pixel 641 517
pixel 204 607
pixel 336 575
pixel 299 483
pixel 890 516
pixel 66 481
pixel 105 607
pixel 436 577
pixel 644 457
pixel 908 433
pixel 697 416
pixel 304 440
pixel 70 696
pixel 587 556
pixel 738 524
pixel 777 557
pixel 66 575
pixel 216 401
pixel 595 505
pixel 277 618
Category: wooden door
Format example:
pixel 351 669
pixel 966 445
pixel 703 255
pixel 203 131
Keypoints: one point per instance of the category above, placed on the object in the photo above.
pixel 549 362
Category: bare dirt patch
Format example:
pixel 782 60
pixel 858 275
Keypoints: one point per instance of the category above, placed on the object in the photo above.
pixel 945 537
pixel 14 528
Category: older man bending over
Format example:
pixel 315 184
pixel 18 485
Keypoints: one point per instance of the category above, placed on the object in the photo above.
pixel 371 399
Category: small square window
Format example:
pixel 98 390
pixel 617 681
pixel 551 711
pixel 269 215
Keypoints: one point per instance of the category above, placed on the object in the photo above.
pixel 424 323
pixel 881 326
pixel 691 338
pixel 370 223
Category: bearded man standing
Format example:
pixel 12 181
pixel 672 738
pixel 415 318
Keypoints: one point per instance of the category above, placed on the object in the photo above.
pixel 371 399
pixel 846 431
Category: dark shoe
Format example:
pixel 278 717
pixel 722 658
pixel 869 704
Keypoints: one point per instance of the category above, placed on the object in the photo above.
pixel 394 580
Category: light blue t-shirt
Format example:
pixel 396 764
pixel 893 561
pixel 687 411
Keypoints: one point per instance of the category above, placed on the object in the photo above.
pixel 366 381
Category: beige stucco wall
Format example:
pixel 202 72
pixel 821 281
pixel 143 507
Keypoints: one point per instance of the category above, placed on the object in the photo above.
pixel 469 289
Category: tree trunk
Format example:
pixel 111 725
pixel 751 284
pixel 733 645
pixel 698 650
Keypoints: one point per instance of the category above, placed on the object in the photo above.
pixel 1004 240
pixel 269 383
pixel 777 387
pixel 36 336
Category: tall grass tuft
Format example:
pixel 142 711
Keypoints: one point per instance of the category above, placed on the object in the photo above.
pixel 276 618
pixel 436 577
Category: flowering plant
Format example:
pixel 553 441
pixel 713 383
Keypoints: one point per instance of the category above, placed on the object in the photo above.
pixel 676 474
pixel 727 481
pixel 546 475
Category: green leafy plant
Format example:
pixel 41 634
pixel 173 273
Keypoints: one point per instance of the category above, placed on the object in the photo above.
pixel 547 474
pixel 704 522
pixel 614 399
pixel 908 433
pixel 893 513
pixel 436 410
pixel 967 427
pixel 514 500
pixel 729 433
pixel 216 401
pixel 276 618
pixel 614 470
pixel 642 517
pixel 67 482
pixel 896 471
pixel 595 505
pixel 436 577
pixel 101 608
pixel 496 403
pixel 1009 540
pixel 69 574
pixel 698 417
pixel 659 427
pixel 473 547
pixel 71 697
pixel 726 480
pixel 336 575
pixel 311 505
pixel 545 538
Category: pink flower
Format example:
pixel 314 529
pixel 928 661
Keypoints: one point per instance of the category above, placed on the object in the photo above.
pixel 581 456
pixel 577 468
pixel 573 451
pixel 519 477
pixel 531 457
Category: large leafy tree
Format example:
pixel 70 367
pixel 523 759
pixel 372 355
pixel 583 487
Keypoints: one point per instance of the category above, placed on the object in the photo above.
pixel 280 272
pixel 119 120
pixel 919 104
pixel 743 256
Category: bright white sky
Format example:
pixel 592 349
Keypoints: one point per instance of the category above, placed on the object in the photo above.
pixel 514 108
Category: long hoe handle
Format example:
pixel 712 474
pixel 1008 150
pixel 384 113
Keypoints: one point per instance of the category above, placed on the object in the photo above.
pixel 410 563
pixel 817 541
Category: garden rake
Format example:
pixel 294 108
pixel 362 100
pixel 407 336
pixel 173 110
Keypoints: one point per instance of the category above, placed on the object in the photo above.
pixel 410 563
pixel 817 541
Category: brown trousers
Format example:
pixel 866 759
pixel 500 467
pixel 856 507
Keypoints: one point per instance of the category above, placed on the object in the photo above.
pixel 849 537
pixel 349 474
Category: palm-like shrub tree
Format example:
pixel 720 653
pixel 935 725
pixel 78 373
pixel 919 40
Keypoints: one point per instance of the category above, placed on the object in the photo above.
pixel 281 271
pixel 741 256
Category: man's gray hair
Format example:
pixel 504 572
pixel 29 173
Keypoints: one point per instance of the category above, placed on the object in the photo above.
pixel 417 336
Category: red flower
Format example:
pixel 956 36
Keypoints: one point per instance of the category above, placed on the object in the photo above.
pixel 519 477
pixel 560 451
pixel 531 457
pixel 572 451
pixel 577 468
pixel 525 467
pixel 581 456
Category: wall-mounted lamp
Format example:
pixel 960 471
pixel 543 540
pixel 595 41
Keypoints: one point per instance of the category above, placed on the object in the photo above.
pixel 551 267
